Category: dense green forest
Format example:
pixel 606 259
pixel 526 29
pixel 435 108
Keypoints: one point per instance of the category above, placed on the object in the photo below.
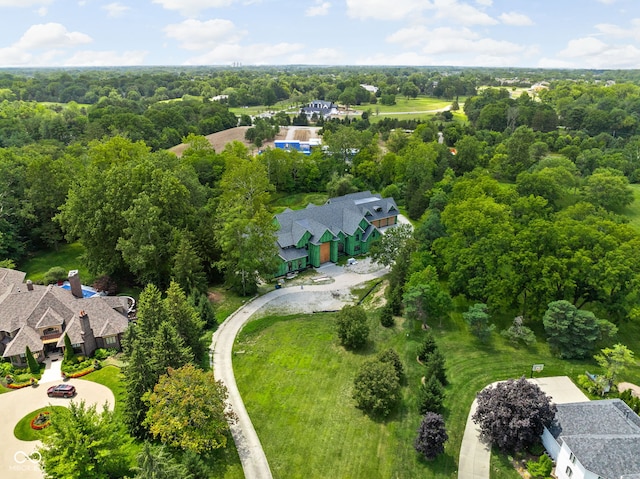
pixel 519 198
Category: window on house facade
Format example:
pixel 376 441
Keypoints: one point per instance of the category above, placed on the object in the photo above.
pixel 110 340
pixel 572 458
pixel 569 472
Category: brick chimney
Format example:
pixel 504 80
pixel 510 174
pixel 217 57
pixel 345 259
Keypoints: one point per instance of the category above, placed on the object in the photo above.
pixel 87 333
pixel 74 282
pixel 29 285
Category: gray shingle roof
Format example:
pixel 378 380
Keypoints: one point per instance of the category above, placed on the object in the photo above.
pixel 23 312
pixel 342 214
pixel 26 337
pixel 604 436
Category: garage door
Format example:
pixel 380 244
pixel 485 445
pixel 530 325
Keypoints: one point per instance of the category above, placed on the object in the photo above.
pixel 325 252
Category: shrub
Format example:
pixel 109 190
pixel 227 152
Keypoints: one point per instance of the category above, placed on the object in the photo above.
pixel 54 275
pixel 386 316
pixel 352 326
pixel 540 468
pixel 105 284
pixel 101 354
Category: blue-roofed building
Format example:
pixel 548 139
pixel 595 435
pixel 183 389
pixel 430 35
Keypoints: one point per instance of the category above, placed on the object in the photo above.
pixel 346 225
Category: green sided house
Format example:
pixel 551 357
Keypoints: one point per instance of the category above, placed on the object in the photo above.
pixel 346 225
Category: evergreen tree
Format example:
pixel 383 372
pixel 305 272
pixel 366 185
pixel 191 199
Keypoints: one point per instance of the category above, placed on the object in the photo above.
pixel 185 319
pixel 69 355
pixel 31 361
pixel 435 366
pixel 431 396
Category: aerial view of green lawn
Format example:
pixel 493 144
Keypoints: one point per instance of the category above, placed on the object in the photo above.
pixel 296 382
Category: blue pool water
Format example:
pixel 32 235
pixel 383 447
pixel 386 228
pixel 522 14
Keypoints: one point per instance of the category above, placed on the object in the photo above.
pixel 86 293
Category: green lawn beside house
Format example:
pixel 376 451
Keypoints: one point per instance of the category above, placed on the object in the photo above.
pixel 296 382
pixel 67 256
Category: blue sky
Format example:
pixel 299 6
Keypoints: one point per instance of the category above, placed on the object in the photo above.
pixel 503 33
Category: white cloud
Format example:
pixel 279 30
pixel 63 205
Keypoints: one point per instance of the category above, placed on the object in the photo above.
pixel 381 10
pixel 485 3
pixel 617 31
pixel 42 11
pixel 447 41
pixel 590 52
pixel 321 56
pixel 89 58
pixel 192 7
pixel 320 8
pixel 461 13
pixel 115 10
pixel 452 11
pixel 409 37
pixel 23 3
pixel 197 35
pixel 257 54
pixel 607 2
pixel 582 47
pixel 515 19
pixel 51 35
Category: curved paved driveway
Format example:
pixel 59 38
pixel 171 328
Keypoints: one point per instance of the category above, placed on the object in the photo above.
pixel 17 404
pixel 475 455
pixel 254 461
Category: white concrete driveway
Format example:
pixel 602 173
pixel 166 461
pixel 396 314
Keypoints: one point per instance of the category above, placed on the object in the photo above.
pixel 475 455
pixel 14 454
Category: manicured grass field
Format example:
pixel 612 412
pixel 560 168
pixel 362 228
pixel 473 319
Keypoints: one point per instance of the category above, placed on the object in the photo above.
pixel 296 201
pixel 67 256
pixel 420 104
pixel 296 382
pixel 23 430
pixel 111 377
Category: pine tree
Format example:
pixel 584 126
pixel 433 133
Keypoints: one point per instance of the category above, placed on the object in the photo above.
pixel 431 396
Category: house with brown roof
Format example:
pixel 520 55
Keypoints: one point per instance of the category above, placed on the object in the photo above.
pixel 39 317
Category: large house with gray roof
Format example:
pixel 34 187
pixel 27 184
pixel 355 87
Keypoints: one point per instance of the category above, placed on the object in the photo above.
pixel 40 316
pixel 595 440
pixel 346 225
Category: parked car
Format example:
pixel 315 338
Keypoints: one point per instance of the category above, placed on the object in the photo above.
pixel 61 391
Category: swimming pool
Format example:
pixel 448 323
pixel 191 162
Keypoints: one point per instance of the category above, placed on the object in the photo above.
pixel 87 292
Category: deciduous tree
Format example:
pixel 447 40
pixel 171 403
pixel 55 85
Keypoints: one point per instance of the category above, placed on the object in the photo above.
pixel 431 436
pixel 512 414
pixel 85 444
pixel 187 409
pixel 376 387
pixel 477 317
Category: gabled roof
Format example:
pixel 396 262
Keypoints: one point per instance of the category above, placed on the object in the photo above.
pixel 50 318
pixel 27 336
pixel 343 214
pixel 604 436
pixel 23 311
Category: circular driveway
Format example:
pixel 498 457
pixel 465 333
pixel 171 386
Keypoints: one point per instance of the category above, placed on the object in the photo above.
pixel 14 454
